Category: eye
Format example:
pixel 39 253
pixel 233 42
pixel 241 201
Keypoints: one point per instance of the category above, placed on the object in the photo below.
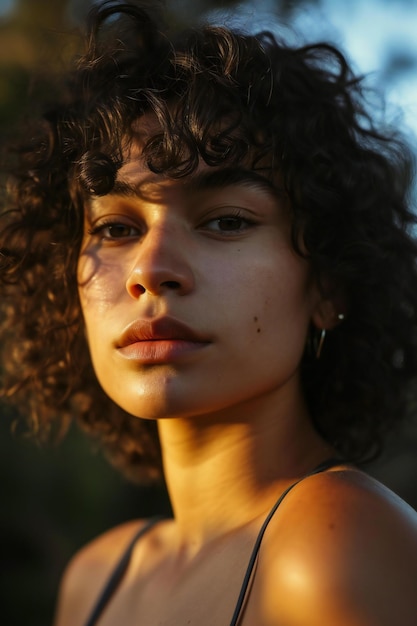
pixel 232 224
pixel 114 230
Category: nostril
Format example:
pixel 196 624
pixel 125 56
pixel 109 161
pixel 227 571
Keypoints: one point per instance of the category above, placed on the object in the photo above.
pixel 138 290
pixel 171 284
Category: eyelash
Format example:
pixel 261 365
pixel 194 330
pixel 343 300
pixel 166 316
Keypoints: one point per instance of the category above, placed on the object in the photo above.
pixel 235 216
pixel 102 226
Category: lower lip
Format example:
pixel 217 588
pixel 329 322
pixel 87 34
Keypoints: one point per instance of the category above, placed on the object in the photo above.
pixel 161 351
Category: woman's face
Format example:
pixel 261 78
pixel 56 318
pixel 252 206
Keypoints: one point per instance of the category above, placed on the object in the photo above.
pixel 193 298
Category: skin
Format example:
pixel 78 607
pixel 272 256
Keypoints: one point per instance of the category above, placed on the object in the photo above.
pixel 234 429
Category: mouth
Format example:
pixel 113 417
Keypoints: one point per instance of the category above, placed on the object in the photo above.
pixel 159 341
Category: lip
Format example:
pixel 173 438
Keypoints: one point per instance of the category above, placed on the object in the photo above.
pixel 159 340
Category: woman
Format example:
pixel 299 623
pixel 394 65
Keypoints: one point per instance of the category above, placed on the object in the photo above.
pixel 216 216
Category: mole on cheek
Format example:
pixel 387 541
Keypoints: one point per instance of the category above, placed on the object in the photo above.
pixel 255 319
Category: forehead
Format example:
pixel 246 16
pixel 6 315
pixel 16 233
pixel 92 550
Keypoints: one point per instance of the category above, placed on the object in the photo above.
pixel 135 177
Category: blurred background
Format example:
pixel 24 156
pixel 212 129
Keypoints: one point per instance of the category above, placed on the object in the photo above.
pixel 55 499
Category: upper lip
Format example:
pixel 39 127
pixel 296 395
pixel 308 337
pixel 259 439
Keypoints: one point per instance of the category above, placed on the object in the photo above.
pixel 158 329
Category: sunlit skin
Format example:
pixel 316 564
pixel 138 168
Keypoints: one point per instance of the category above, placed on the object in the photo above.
pixel 197 311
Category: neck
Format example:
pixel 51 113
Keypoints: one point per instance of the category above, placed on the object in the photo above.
pixel 227 469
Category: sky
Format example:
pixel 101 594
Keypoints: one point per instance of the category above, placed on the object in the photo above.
pixel 5 6
pixel 370 31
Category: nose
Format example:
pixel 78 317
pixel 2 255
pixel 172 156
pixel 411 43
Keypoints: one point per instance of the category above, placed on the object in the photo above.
pixel 162 264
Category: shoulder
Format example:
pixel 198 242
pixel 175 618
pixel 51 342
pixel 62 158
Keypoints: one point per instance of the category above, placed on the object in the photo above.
pixel 88 572
pixel 342 548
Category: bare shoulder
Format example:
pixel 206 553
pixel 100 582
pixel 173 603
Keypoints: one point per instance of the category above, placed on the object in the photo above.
pixel 341 549
pixel 88 571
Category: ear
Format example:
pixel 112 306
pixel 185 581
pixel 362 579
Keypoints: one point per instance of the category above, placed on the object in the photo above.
pixel 328 313
pixel 329 304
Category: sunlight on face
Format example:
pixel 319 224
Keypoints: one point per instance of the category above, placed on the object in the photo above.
pixel 193 298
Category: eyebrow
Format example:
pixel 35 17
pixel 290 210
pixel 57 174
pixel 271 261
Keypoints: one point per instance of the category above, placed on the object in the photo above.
pixel 229 176
pixel 211 180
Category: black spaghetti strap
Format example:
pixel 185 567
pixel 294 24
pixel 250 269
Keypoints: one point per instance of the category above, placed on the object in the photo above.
pixel 118 573
pixel 122 565
pixel 243 590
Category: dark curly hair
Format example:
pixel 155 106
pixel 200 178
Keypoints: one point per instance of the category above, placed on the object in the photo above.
pixel 301 111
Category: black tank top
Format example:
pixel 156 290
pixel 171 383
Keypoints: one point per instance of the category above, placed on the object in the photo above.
pixel 121 567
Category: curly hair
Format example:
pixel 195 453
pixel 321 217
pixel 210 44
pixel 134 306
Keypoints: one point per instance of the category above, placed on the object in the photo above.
pixel 220 96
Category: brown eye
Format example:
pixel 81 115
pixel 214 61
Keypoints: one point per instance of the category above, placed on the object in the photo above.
pixel 232 224
pixel 114 230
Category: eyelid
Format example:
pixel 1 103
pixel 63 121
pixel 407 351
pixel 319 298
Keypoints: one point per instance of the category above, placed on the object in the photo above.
pixel 228 214
pixel 107 222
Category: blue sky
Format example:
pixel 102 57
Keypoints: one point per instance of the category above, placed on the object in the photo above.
pixel 369 31
pixel 5 6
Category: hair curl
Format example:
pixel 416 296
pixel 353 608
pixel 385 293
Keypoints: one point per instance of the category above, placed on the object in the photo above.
pixel 348 183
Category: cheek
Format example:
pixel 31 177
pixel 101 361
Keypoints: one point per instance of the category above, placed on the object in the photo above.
pixel 100 285
pixel 279 307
